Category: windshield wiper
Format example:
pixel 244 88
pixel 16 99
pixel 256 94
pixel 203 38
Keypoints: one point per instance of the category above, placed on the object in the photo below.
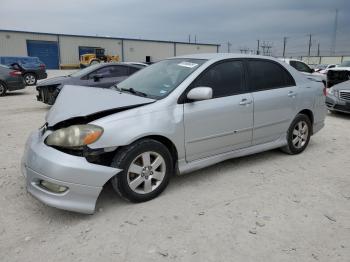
pixel 132 91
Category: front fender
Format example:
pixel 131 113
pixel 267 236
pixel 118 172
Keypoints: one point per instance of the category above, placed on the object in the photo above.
pixel 122 131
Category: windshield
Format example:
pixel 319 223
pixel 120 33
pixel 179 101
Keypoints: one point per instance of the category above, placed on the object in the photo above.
pixel 159 79
pixel 345 64
pixel 85 71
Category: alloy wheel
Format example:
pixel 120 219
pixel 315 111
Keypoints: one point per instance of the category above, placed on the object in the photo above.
pixel 300 134
pixel 29 79
pixel 146 172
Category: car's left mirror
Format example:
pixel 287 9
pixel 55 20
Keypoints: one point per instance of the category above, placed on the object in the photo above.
pixel 200 93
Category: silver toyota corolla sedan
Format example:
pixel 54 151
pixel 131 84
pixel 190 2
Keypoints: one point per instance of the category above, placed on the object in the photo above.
pixel 176 116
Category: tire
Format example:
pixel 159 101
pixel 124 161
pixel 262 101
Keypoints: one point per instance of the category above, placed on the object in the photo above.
pixel 3 89
pixel 30 79
pixel 298 140
pixel 145 183
pixel 94 62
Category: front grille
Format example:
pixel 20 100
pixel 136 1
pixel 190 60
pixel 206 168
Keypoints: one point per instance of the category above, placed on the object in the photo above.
pixel 345 95
pixel 47 94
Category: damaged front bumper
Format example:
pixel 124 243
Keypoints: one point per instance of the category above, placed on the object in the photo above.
pixel 81 182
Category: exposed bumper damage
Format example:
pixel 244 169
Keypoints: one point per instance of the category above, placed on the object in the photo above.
pixel 83 180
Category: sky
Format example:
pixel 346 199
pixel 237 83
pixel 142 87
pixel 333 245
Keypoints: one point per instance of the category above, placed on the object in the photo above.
pixel 240 22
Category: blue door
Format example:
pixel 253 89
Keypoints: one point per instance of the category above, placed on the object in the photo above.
pixel 47 51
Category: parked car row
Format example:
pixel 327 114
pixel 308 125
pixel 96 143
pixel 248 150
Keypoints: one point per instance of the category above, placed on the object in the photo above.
pixel 18 72
pixel 10 80
pixel 31 67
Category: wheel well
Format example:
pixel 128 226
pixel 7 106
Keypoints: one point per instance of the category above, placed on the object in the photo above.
pixel 30 72
pixel 2 82
pixel 309 114
pixel 168 143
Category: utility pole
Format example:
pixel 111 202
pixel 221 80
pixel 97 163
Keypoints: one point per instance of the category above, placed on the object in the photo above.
pixel 189 38
pixel 309 45
pixel 195 39
pixel 284 45
pixel 318 49
pixel 334 38
pixel 228 47
pixel 258 50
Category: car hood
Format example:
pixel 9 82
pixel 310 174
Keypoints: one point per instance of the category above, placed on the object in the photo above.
pixel 82 101
pixel 55 81
pixel 318 77
pixel 342 86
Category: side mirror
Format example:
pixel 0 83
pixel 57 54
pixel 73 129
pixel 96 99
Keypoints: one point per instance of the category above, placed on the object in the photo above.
pixel 200 93
pixel 97 77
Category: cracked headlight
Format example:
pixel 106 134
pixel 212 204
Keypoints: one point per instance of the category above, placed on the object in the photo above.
pixel 74 136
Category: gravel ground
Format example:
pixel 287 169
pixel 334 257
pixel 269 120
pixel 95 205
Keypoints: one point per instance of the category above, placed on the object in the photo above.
pixel 265 207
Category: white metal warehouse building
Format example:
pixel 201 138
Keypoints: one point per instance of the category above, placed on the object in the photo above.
pixel 62 50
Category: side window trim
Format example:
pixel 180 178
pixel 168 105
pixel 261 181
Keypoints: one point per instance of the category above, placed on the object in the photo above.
pixel 182 98
pixel 249 84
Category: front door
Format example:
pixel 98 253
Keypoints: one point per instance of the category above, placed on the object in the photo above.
pixel 223 123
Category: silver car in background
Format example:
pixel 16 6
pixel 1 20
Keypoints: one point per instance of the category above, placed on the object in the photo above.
pixel 173 117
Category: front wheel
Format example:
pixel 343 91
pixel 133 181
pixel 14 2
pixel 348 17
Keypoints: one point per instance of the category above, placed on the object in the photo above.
pixel 147 167
pixel 30 79
pixel 3 89
pixel 298 135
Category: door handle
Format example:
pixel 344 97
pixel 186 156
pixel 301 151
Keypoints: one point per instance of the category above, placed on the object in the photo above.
pixel 245 101
pixel 292 94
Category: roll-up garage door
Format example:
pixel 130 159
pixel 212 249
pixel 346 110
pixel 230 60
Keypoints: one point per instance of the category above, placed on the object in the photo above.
pixel 47 51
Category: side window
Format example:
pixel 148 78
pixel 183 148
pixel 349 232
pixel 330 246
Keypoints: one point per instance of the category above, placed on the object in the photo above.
pixel 265 75
pixel 225 79
pixel 110 71
pixel 133 70
pixel 117 71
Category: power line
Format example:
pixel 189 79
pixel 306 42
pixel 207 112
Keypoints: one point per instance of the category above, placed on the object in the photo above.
pixel 309 44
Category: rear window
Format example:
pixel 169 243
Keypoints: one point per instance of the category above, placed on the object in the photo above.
pixel 265 75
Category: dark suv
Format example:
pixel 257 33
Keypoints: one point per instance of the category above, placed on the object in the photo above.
pixel 31 67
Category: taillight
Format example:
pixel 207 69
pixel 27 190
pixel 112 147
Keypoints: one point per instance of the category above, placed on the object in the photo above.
pixel 42 66
pixel 324 91
pixel 15 73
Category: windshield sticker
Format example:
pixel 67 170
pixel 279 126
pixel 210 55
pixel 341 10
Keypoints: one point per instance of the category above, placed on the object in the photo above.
pixel 187 64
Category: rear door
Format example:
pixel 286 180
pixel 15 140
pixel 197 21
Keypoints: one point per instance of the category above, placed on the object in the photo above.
pixel 223 123
pixel 274 93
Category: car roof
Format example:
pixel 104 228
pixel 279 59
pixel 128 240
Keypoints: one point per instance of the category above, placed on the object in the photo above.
pixel 219 56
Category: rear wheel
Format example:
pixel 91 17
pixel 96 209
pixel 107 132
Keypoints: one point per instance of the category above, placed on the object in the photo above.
pixel 30 79
pixel 3 89
pixel 298 135
pixel 94 62
pixel 147 167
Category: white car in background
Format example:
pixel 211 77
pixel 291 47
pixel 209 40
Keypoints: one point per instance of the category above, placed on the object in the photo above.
pixel 305 69
pixel 323 68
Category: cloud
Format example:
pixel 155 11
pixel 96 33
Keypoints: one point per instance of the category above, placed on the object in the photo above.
pixel 240 22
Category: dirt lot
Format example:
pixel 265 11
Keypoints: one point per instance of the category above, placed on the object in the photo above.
pixel 265 207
